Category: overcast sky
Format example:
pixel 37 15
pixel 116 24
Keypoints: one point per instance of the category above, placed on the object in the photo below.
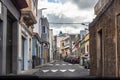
pixel 68 11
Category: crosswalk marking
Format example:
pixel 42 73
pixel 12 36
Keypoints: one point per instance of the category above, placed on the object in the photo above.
pixel 63 64
pixel 54 70
pixel 71 70
pixel 57 64
pixel 45 71
pixel 63 70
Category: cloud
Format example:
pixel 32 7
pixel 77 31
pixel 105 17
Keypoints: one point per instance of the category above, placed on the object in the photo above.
pixel 84 4
pixel 68 11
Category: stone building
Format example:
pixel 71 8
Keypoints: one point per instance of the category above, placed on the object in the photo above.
pixel 105 39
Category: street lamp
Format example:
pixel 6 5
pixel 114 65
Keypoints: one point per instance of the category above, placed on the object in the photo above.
pixel 85 24
pixel 43 8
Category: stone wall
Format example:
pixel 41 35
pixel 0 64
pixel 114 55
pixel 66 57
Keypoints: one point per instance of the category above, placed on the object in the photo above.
pixel 105 63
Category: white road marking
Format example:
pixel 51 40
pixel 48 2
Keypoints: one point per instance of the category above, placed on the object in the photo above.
pixel 63 64
pixel 63 70
pixel 69 64
pixel 57 64
pixel 54 70
pixel 45 71
pixel 71 70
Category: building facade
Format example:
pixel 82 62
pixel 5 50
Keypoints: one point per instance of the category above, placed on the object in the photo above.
pixel 68 41
pixel 51 44
pixel 36 50
pixel 45 39
pixel 104 40
pixel 9 22
pixel 76 45
pixel 67 45
pixel 62 48
pixel 55 55
pixel 27 21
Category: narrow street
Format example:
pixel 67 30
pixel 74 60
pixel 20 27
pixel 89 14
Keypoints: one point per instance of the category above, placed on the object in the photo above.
pixel 62 69
pixel 59 39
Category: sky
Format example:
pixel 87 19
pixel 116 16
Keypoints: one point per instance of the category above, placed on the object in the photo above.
pixel 68 11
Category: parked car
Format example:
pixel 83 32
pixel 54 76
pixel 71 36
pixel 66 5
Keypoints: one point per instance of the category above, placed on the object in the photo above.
pixel 69 58
pixel 75 59
pixel 65 58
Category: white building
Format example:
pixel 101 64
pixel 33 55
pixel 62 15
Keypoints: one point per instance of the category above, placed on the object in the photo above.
pixel 51 44
pixel 25 34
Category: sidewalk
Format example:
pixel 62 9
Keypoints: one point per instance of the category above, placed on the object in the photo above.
pixel 30 72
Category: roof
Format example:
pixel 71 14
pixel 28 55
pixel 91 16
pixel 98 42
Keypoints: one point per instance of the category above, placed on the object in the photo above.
pixel 101 13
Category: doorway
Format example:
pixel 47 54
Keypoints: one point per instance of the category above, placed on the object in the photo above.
pixel 23 52
pixel 9 50
pixel 99 54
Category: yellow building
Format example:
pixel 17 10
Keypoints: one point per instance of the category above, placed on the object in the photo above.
pixel 84 49
pixel 87 43
pixel 62 47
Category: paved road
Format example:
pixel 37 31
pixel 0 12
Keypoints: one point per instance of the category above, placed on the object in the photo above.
pixel 62 69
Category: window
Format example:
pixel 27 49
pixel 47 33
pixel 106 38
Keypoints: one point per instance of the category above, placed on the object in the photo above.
pixel 43 29
pixel 62 44
pixel 87 48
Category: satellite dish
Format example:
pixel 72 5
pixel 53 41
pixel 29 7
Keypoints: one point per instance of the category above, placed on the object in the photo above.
pixel 60 33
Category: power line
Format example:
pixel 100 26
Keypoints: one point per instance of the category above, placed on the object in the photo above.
pixel 86 23
pixel 64 23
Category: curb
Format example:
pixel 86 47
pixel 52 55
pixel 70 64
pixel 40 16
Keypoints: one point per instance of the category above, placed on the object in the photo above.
pixel 31 71
pixel 43 65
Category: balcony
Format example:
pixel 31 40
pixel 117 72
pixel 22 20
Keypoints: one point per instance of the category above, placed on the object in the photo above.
pixel 21 3
pixel 67 46
pixel 29 13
